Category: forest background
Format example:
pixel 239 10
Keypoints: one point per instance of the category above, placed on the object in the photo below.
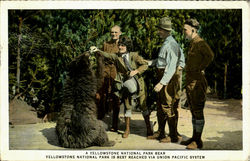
pixel 43 42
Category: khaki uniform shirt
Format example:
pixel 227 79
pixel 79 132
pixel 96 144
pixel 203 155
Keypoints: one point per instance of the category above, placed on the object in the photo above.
pixel 110 69
pixel 199 57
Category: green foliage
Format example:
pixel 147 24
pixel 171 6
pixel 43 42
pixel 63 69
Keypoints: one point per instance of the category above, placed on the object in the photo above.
pixel 50 39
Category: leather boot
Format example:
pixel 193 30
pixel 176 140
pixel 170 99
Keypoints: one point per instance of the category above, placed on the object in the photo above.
pixel 160 134
pixel 199 125
pixel 187 142
pixel 148 125
pixel 127 131
pixel 162 119
pixel 172 131
pixel 161 127
pixel 154 136
pixel 198 140
pixel 196 143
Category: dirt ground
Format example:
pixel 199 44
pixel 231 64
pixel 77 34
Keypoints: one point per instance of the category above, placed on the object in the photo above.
pixel 222 131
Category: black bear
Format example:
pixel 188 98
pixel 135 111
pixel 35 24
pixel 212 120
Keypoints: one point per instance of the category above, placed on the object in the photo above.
pixel 77 125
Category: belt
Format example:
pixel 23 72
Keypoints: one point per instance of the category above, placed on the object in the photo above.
pixel 194 74
pixel 160 69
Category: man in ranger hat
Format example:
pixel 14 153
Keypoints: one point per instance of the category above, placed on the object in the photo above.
pixel 199 57
pixel 169 63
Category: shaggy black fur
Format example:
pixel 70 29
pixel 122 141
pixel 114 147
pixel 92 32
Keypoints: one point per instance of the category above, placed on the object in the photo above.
pixel 77 125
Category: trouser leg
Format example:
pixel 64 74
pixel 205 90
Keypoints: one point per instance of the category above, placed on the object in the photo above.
pixel 166 100
pixel 102 103
pixel 148 125
pixel 172 129
pixel 197 101
pixel 128 114
pixel 116 111
pixel 171 119
pixel 162 125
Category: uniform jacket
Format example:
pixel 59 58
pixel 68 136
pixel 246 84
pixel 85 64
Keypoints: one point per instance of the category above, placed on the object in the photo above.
pixel 199 57
pixel 136 62
pixel 110 69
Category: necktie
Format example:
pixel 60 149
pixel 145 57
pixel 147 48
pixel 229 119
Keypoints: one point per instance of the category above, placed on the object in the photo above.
pixel 127 63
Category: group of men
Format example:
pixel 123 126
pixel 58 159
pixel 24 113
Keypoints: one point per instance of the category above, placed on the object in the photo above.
pixel 169 64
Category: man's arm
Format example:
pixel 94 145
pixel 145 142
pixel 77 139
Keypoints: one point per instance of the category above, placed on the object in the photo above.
pixel 143 65
pixel 171 60
pixel 106 55
pixel 207 54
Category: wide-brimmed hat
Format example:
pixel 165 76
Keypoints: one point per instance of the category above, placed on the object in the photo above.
pixel 165 23
pixel 132 85
pixel 193 23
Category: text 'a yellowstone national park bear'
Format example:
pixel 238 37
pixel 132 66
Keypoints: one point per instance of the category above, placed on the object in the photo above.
pixel 77 125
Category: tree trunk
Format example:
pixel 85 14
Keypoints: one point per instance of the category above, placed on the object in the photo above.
pixel 215 87
pixel 19 55
pixel 225 81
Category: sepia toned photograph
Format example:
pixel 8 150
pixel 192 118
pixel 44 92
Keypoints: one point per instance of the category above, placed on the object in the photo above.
pixel 125 80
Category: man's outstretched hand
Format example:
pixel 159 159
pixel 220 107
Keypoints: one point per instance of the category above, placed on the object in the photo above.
pixel 93 49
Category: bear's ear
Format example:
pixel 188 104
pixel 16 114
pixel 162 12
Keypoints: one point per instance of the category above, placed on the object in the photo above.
pixel 85 59
pixel 80 60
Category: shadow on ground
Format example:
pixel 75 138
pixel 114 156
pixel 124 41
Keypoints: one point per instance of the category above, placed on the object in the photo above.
pixel 50 134
pixel 229 141
pixel 232 107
